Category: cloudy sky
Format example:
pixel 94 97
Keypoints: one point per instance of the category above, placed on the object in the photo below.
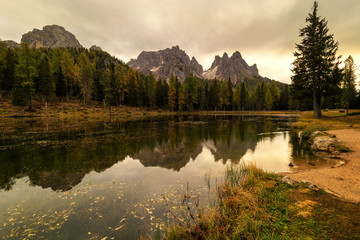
pixel 264 31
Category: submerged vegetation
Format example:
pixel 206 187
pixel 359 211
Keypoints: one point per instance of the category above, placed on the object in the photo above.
pixel 253 204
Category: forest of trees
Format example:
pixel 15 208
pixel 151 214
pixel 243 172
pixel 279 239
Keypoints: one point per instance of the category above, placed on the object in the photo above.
pixel 66 74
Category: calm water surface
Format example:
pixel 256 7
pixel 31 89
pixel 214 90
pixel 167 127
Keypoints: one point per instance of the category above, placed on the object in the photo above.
pixel 120 180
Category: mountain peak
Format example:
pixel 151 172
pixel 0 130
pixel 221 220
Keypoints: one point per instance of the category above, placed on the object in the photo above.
pixel 174 60
pixel 164 62
pixel 234 68
pixel 51 36
pixel 236 54
pixel 96 48
pixel 225 55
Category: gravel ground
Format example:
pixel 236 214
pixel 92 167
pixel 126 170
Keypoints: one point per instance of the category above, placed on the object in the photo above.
pixel 343 181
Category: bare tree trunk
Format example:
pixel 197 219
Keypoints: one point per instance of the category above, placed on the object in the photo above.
pixel 316 104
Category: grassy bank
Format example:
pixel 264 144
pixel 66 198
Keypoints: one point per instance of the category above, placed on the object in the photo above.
pixel 331 120
pixel 75 109
pixel 252 204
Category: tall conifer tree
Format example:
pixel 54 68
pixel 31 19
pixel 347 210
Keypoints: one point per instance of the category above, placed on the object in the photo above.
pixel 315 59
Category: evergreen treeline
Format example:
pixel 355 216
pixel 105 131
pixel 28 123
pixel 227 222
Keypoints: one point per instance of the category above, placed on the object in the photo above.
pixel 62 74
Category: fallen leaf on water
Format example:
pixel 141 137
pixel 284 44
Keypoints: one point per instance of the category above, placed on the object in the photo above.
pixel 118 228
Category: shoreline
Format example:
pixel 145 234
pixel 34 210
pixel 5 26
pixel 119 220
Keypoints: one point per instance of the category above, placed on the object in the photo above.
pixel 341 181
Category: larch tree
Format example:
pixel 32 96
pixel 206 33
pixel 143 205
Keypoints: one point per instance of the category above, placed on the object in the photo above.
pixel 25 72
pixel 315 59
pixel 85 77
pixel 68 71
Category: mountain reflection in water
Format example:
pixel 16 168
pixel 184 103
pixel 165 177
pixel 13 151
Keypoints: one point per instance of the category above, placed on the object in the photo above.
pixel 58 155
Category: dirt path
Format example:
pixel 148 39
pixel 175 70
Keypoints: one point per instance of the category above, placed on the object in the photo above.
pixel 344 181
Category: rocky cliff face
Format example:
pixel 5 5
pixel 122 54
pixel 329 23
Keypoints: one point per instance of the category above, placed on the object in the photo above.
pixel 164 62
pixel 174 60
pixel 96 48
pixel 51 36
pixel 11 44
pixel 234 68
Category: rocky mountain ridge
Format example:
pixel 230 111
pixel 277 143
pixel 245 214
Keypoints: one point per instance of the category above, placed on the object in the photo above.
pixel 51 36
pixel 174 60
pixel 161 63
pixel 164 62
pixel 234 68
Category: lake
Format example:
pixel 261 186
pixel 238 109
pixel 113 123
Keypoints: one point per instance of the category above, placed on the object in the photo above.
pixel 123 179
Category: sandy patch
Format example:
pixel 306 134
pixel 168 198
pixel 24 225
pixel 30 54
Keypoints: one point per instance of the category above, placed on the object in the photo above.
pixel 343 181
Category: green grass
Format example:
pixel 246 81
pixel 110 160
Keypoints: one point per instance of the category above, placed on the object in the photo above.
pixel 252 204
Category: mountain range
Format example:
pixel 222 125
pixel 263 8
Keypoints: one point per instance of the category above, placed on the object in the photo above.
pixel 161 63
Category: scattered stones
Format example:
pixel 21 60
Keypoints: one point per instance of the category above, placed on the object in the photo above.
pixel 338 164
pixel 309 184
pixel 311 163
pixel 288 181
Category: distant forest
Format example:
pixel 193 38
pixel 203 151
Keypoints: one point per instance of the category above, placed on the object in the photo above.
pixel 67 74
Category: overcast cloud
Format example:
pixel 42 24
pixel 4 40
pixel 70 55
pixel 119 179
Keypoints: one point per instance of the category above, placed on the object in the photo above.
pixel 264 31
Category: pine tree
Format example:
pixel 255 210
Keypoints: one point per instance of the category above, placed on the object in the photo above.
pixel 258 96
pixel 151 90
pixel 315 59
pixel 268 99
pixel 284 99
pixel 237 96
pixel 172 96
pixel 349 82
pixel 25 71
pixel 120 83
pixel 275 95
pixel 243 96
pixel 46 85
pixel 190 86
pixel 182 98
pixel 133 88
pixel 108 83
pixel 9 72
